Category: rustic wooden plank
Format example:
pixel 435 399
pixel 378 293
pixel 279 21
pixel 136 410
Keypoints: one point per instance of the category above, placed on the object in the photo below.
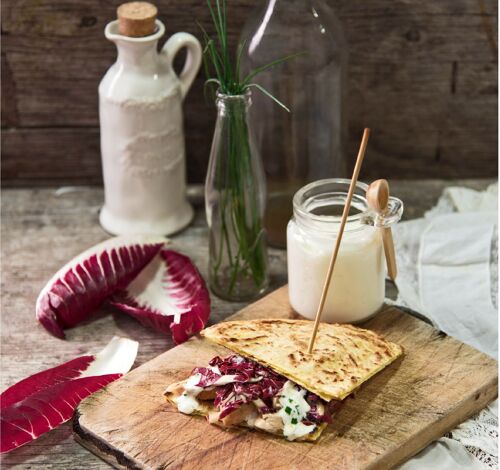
pixel 475 78
pixel 35 156
pixel 67 156
pixel 401 29
pixel 9 110
pixel 436 385
pixel 409 58
pixel 446 130
pixel 40 231
pixel 444 31
pixel 71 156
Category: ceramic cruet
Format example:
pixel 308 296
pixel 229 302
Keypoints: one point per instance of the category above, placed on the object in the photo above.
pixel 142 139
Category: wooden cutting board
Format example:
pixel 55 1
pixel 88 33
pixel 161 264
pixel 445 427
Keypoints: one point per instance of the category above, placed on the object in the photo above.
pixel 437 384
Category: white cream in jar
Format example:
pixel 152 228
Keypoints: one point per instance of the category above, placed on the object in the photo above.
pixel 357 288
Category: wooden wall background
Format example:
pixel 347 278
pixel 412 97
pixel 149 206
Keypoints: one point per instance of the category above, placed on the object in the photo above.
pixel 423 75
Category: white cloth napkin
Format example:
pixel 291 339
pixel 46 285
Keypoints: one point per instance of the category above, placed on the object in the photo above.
pixel 454 278
pixel 447 270
pixel 443 454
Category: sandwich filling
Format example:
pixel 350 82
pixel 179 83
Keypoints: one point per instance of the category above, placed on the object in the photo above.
pixel 237 391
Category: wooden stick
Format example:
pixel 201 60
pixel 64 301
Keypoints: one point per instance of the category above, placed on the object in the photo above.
pixel 354 179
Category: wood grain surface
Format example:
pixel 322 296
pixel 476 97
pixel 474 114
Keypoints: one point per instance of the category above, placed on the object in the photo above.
pixel 41 230
pixel 422 75
pixel 436 384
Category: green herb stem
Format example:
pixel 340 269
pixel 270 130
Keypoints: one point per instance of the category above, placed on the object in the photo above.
pixel 241 243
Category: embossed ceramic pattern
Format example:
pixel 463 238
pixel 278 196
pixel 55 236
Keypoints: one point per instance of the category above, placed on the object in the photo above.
pixel 142 138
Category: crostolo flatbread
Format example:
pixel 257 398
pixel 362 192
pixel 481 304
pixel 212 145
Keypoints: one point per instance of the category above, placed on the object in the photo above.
pixel 344 356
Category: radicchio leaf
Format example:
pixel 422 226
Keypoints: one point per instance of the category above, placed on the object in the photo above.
pixel 83 284
pixel 47 399
pixel 169 295
pixel 252 381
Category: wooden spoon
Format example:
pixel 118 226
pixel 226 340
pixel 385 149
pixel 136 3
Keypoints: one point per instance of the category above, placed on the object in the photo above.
pixel 377 196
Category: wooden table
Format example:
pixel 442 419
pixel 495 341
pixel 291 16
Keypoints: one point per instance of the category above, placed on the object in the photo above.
pixel 41 230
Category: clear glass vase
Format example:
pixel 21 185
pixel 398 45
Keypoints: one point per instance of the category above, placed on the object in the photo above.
pixel 235 196
pixel 306 144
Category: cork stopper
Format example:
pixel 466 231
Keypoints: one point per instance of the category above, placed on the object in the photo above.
pixel 136 19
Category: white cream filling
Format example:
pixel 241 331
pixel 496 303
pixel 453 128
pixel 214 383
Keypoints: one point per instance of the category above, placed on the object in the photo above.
pixel 294 409
pixel 187 402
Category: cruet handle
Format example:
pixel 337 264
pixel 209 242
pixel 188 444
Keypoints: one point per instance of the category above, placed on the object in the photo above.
pixel 193 58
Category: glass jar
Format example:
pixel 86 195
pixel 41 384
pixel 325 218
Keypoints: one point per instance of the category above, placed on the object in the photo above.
pixel 308 143
pixel 235 197
pixel 357 288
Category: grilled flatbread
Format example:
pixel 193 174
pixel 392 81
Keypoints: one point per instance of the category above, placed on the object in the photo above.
pixel 273 384
pixel 344 356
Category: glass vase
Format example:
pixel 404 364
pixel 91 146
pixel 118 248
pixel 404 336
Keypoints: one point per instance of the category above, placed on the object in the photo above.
pixel 235 196
pixel 306 144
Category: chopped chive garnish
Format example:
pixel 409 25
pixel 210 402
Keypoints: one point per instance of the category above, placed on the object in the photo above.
pixel 294 421
pixel 288 410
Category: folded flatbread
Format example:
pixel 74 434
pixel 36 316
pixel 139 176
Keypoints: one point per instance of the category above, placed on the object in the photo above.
pixel 273 384
pixel 344 356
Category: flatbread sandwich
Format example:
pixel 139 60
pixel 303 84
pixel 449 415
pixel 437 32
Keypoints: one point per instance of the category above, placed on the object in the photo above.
pixel 272 384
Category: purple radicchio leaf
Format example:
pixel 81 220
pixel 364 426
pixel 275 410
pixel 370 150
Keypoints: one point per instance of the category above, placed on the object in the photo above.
pixel 47 399
pixel 169 295
pixel 254 382
pixel 83 284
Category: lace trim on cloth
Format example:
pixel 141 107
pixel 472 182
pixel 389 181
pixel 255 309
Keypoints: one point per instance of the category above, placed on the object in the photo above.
pixel 479 434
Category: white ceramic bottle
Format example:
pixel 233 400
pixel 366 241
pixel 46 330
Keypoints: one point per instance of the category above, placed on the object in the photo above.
pixel 142 138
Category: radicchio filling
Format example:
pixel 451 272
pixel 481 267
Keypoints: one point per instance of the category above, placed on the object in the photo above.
pixel 253 383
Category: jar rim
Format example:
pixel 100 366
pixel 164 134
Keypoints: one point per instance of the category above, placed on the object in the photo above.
pixel 305 196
